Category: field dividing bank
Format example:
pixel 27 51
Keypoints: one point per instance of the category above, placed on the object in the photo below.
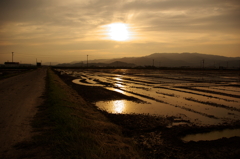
pixel 73 128
pixel 204 99
pixel 227 90
pixel 208 90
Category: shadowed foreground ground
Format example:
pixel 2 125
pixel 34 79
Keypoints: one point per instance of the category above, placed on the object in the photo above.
pixel 64 125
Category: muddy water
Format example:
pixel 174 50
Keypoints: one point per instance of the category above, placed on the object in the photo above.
pixel 214 135
pixel 168 93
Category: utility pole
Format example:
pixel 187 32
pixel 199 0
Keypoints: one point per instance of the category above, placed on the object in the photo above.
pixel 87 61
pixel 203 63
pixel 12 56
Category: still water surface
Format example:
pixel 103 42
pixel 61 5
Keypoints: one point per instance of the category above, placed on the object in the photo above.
pixel 214 135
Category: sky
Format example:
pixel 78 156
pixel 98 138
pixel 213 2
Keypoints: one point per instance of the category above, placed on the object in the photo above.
pixel 65 31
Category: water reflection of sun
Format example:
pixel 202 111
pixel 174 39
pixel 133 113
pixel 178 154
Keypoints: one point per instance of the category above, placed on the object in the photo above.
pixel 118 106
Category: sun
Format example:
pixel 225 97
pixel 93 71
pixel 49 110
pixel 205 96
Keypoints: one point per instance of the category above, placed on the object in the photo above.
pixel 118 31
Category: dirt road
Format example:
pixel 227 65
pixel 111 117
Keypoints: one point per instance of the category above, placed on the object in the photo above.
pixel 19 98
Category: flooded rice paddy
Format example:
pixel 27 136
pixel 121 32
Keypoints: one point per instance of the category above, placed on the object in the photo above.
pixel 199 97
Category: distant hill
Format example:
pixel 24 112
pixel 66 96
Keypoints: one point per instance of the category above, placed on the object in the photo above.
pixel 168 60
pixel 120 64
pixel 91 64
pixel 182 60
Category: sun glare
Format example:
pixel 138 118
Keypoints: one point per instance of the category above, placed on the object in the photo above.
pixel 118 31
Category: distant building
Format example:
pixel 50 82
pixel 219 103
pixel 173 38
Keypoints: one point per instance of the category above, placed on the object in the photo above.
pixel 39 64
pixel 11 64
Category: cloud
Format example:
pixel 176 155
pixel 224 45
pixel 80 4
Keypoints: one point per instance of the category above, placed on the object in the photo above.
pixel 65 24
pixel 151 15
pixel 185 15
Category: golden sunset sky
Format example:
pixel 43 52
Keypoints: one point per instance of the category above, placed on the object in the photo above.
pixel 69 30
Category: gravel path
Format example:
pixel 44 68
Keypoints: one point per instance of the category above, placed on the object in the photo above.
pixel 19 98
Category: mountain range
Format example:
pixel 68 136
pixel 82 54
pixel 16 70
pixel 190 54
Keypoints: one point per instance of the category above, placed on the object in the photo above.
pixel 164 60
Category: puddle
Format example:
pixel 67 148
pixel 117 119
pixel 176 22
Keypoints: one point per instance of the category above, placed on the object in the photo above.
pixel 214 135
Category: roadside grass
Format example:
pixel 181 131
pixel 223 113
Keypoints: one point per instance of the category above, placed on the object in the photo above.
pixel 69 127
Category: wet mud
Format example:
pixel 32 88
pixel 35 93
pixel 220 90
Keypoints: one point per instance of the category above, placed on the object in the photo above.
pixel 160 136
